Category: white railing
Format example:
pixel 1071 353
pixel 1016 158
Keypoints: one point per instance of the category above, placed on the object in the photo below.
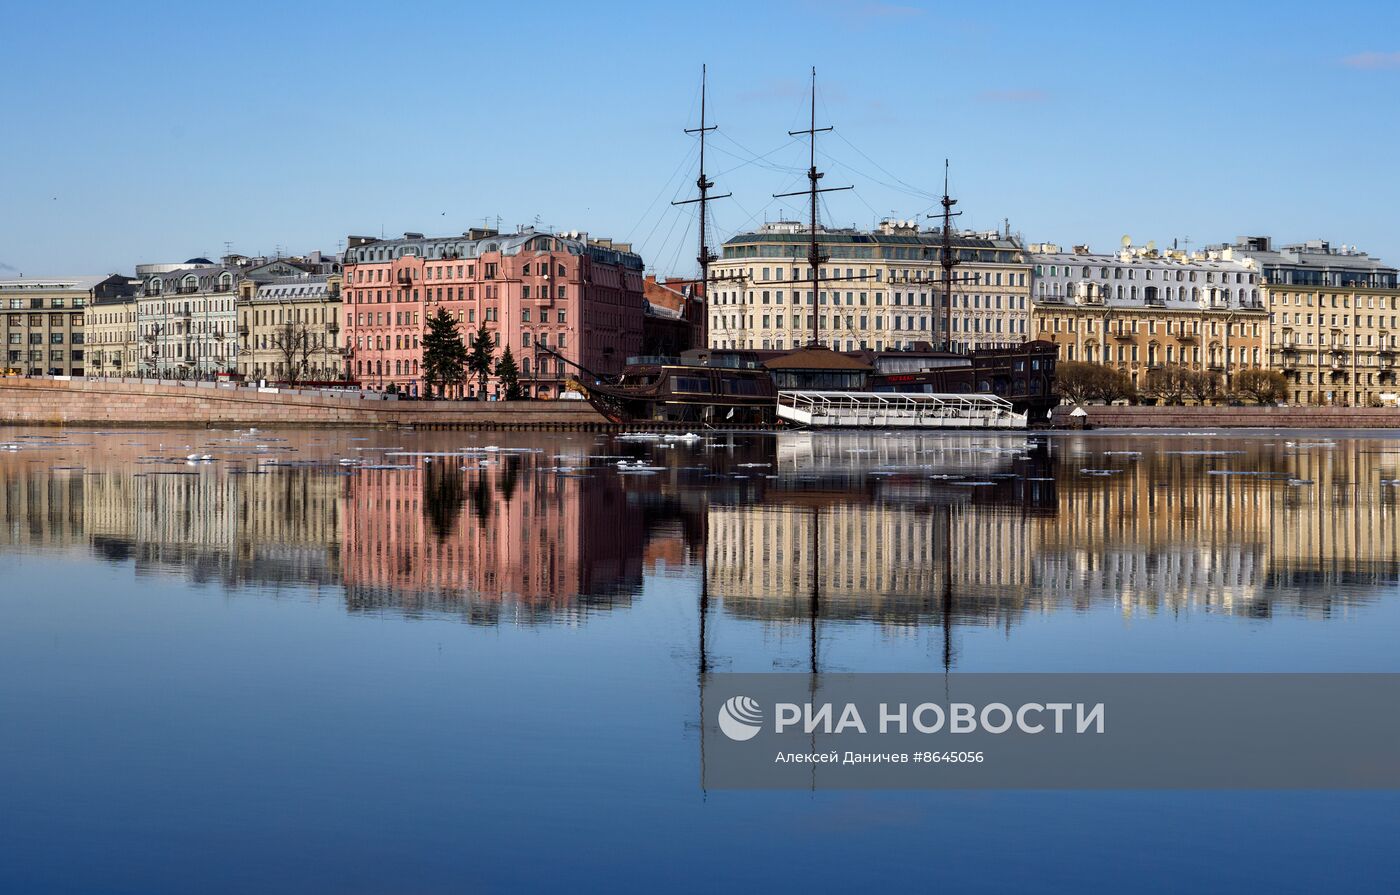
pixel 888 410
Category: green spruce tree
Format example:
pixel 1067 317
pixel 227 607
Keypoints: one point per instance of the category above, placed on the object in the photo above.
pixel 444 355
pixel 480 360
pixel 508 375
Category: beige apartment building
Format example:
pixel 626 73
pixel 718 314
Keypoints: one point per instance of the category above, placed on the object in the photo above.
pixel 880 290
pixel 42 325
pixel 111 336
pixel 293 319
pixel 1333 319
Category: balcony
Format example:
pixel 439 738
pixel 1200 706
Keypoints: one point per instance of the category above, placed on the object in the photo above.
pixel 223 287
pixel 333 328
pixel 186 290
pixel 243 329
pixel 1123 335
pixel 1186 337
pixel 1339 363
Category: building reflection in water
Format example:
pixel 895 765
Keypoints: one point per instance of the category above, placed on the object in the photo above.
pixel 478 537
pixel 902 531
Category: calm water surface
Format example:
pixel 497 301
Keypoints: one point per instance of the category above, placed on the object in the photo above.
pixel 407 662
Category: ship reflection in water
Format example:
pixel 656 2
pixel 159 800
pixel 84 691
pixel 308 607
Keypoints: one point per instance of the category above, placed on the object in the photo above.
pixel 902 531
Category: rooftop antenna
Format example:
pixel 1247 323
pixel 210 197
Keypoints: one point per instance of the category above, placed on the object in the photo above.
pixel 814 254
pixel 947 261
pixel 703 184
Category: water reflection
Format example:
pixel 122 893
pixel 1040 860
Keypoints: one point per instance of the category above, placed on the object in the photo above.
pixel 899 531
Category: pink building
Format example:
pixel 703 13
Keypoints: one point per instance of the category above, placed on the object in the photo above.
pixel 533 291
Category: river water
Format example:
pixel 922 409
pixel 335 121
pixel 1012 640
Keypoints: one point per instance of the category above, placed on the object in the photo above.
pixel 433 662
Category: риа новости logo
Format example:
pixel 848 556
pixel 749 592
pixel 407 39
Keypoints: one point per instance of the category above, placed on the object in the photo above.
pixel 740 718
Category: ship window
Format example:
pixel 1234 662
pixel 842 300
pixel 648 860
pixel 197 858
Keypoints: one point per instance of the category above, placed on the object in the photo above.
pixel 739 386
pixel 693 384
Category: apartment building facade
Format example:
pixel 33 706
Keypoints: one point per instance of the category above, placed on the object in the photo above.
pixel 42 322
pixel 291 321
pixel 879 290
pixel 1334 319
pixel 112 348
pixel 560 301
pixel 185 321
pixel 1141 309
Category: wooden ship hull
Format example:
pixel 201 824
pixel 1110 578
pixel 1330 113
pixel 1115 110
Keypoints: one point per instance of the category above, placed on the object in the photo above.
pixel 711 396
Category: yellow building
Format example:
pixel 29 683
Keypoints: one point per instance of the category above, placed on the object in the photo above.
pixel 880 290
pixel 1141 309
pixel 1334 318
pixel 291 320
pixel 111 336
pixel 42 325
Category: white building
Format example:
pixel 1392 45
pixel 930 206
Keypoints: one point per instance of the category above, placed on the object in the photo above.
pixel 185 321
pixel 1143 276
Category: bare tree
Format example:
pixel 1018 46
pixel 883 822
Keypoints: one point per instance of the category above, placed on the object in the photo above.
pixel 1076 381
pixel 1168 384
pixel 1081 382
pixel 291 340
pixel 1264 386
pixel 1203 385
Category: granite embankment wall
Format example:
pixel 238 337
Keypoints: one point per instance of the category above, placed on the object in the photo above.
pixel 1114 417
pixel 131 402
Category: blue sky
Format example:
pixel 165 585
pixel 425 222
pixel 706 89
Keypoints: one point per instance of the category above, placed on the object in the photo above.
pixel 152 132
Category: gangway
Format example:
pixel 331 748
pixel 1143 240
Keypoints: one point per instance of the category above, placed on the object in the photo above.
pixel 897 410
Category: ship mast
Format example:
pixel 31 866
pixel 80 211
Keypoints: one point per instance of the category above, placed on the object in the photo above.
pixel 947 260
pixel 814 254
pixel 703 184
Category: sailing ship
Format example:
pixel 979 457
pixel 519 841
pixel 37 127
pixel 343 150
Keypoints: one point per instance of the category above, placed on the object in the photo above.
pixel 666 389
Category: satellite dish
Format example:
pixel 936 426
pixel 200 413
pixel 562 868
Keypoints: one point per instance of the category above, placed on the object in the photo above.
pixel 1127 241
